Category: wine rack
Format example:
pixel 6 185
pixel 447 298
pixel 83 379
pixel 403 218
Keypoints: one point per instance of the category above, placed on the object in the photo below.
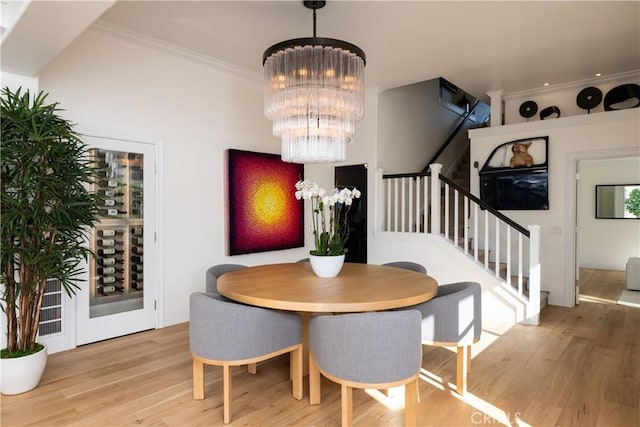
pixel 117 272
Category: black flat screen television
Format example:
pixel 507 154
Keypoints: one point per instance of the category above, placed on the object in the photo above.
pixel 516 184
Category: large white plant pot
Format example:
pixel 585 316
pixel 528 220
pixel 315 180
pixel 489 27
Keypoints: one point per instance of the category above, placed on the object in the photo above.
pixel 22 373
pixel 326 266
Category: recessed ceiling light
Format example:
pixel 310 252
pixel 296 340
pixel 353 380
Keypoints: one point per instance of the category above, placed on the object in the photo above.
pixel 546 84
pixel 598 74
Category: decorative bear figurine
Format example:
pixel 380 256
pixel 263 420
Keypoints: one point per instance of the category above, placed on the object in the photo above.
pixel 520 155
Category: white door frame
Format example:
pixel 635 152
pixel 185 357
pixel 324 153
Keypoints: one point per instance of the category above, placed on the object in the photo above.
pixel 157 262
pixel 571 214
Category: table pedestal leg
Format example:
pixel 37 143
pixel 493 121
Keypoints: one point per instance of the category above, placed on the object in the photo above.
pixel 305 344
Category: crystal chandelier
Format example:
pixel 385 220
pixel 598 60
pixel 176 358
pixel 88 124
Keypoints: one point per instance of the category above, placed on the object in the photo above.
pixel 314 93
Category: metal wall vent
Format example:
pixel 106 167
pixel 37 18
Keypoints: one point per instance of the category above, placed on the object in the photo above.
pixel 51 310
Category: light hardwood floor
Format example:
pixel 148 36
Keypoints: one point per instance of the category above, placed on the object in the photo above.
pixel 580 367
pixel 601 285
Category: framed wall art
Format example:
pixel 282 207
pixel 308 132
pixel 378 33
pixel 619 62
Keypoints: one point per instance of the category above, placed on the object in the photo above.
pixel 263 213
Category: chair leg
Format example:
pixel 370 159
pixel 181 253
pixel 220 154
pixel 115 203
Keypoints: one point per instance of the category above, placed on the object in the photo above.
pixel 252 368
pixel 411 395
pixel 226 393
pixel 463 364
pixel 347 405
pixel 198 379
pixel 314 381
pixel 296 371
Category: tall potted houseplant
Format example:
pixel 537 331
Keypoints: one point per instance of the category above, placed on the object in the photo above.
pixel 46 212
pixel 330 211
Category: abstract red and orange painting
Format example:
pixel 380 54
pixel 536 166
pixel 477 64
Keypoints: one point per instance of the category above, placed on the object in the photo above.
pixel 264 214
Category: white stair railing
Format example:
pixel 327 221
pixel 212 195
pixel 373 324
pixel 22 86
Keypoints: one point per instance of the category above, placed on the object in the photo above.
pixel 431 203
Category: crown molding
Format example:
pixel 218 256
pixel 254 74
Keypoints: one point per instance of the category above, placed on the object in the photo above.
pixel 172 49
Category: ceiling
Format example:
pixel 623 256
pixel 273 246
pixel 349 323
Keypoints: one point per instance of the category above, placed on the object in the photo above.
pixel 479 46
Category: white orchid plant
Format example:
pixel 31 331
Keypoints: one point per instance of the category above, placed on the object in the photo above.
pixel 330 216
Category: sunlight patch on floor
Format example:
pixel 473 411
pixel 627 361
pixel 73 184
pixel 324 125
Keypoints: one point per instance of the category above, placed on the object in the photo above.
pixel 589 298
pixel 432 379
pixel 391 398
pixel 486 339
pixel 486 412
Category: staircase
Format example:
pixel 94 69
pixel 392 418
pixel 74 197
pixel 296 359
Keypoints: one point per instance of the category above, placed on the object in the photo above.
pixel 544 295
pixel 430 203
pixel 462 171
pixel 461 177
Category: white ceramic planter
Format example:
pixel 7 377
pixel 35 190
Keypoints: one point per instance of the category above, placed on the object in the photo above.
pixel 326 266
pixel 23 373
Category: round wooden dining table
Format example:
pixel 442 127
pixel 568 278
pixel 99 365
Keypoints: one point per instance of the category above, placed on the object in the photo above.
pixel 294 287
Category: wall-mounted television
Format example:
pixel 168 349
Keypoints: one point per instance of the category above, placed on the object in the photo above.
pixel 516 175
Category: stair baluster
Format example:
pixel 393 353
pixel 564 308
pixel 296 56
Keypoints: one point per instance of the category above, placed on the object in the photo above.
pixel 407 212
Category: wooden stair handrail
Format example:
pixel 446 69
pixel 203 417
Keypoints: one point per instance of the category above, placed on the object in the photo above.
pixel 466 193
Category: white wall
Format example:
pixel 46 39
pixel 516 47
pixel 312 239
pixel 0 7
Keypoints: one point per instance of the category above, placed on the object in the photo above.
pixel 412 125
pixel 597 135
pixel 403 126
pixel 620 238
pixel 199 110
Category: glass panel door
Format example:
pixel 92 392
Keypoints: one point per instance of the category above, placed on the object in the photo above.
pixel 116 278
pixel 116 301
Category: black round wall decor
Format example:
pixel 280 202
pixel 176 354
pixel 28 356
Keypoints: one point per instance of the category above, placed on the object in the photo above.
pixel 588 98
pixel 528 109
pixel 624 95
pixel 545 113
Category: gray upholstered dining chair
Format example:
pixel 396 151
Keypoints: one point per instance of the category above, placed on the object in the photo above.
pixel 214 273
pixel 227 334
pixel 368 350
pixel 211 281
pixel 454 318
pixel 407 265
